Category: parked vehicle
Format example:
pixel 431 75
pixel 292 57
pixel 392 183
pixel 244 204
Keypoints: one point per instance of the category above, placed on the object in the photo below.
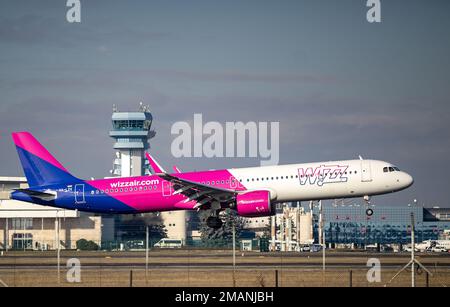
pixel 408 248
pixel 135 245
pixel 305 248
pixel 169 243
pixel 439 249
pixel 315 248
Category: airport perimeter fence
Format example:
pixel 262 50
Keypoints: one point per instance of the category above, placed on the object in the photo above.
pixel 195 267
pixel 24 243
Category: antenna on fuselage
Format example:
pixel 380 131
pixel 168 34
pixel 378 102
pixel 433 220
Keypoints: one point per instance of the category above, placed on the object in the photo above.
pixel 360 158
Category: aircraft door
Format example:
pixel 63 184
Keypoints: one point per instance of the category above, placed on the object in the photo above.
pixel 366 171
pixel 79 194
pixel 167 188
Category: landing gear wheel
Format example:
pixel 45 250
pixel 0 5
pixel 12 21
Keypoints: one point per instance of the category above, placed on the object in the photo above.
pixel 369 212
pixel 214 222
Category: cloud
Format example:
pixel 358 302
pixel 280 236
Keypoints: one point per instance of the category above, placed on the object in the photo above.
pixel 31 29
pixel 235 76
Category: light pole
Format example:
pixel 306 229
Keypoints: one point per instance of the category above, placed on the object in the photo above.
pixel 58 249
pixel 234 252
pixel 419 222
pixel 322 230
pixel 146 252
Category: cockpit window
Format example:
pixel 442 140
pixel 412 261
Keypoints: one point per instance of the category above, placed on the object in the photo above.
pixel 397 169
pixel 391 169
pixel 385 169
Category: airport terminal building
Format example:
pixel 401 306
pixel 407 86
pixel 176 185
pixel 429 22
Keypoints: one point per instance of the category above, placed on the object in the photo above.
pixel 29 226
pixel 389 224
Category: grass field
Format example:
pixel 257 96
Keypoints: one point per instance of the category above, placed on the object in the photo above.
pixel 213 268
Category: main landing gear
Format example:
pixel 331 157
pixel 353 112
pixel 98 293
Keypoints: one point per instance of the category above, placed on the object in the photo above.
pixel 369 212
pixel 214 222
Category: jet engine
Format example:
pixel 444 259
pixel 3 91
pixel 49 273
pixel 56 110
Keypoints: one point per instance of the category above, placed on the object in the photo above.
pixel 255 204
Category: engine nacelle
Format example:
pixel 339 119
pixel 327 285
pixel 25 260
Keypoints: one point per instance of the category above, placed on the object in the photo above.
pixel 254 204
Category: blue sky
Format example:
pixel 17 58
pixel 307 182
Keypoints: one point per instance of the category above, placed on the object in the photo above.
pixel 338 85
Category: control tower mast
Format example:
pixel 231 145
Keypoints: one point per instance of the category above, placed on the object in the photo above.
pixel 131 132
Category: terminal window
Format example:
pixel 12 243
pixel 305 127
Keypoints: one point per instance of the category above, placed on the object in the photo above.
pixel 21 223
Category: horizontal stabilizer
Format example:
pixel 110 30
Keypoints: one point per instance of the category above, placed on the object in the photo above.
pixel 47 196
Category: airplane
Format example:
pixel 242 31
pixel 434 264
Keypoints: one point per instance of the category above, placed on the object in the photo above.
pixel 251 192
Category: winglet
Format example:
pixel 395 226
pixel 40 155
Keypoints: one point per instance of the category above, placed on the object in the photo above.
pixel 156 167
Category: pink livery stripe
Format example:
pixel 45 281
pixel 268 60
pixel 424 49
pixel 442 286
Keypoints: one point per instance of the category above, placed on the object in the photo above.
pixel 27 142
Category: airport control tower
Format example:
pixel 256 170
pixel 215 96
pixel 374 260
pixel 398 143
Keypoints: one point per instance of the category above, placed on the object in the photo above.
pixel 131 132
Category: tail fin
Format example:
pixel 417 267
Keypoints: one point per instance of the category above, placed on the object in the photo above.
pixel 39 166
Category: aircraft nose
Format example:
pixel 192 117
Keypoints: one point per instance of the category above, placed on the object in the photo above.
pixel 408 180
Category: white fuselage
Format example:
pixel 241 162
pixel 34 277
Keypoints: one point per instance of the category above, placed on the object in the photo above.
pixel 324 180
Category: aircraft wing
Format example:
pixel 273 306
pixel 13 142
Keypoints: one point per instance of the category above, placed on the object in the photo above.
pixel 201 193
pixel 47 196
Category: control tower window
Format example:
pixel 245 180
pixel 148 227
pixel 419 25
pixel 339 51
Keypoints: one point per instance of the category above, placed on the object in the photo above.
pixel 136 124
